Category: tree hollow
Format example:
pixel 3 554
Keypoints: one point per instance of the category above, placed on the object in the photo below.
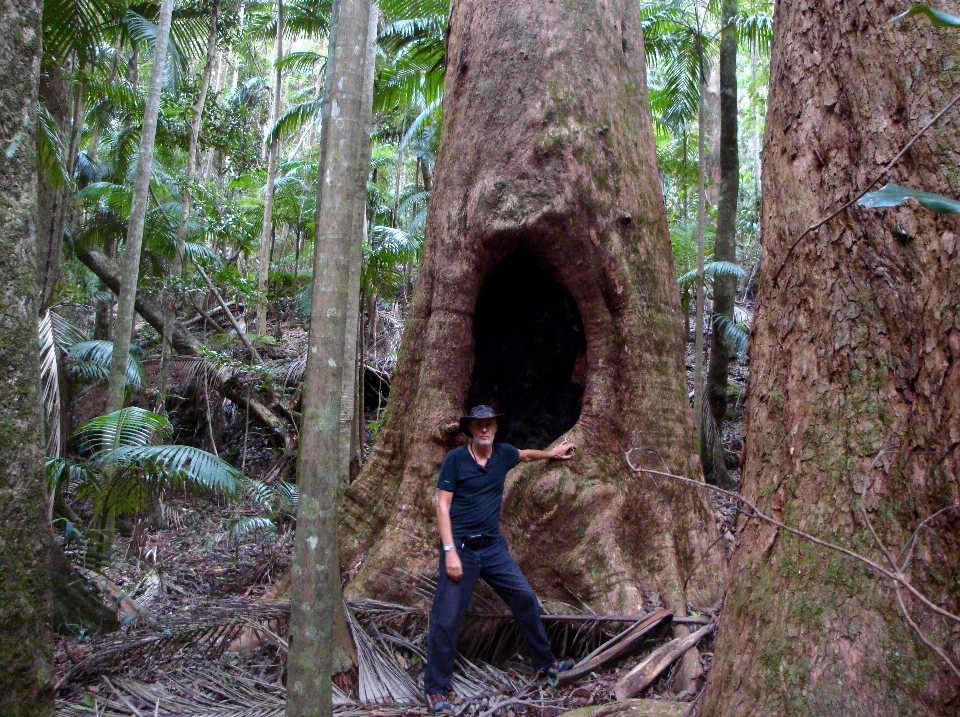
pixel 529 353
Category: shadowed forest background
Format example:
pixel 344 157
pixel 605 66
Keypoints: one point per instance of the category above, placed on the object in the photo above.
pixel 709 242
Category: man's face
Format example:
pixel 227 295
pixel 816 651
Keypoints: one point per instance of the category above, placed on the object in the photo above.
pixel 483 430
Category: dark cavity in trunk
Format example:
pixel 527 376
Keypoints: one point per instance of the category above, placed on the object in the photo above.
pixel 530 351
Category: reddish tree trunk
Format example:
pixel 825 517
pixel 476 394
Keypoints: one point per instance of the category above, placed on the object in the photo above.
pixel 854 400
pixel 546 289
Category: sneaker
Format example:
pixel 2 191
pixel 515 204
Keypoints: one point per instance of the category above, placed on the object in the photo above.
pixel 438 703
pixel 551 675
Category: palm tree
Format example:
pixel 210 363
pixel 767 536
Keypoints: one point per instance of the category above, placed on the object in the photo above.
pixel 131 257
pixel 678 45
pixel 266 235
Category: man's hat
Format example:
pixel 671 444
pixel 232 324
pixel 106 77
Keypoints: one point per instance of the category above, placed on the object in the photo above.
pixel 476 413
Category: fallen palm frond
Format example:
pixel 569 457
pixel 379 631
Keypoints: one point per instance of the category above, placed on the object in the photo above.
pixel 215 691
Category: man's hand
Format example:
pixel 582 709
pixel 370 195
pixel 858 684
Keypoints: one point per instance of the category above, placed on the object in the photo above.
pixel 563 452
pixel 454 566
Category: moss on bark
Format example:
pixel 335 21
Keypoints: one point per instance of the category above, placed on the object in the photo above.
pixel 26 654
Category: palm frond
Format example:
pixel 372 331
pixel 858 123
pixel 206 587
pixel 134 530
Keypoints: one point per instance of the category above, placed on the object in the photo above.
pixel 303 61
pixel 735 335
pixel 90 361
pixel 186 463
pixel 255 524
pixel 50 384
pixel 77 26
pixel 51 153
pixel 131 427
pixel 713 270
pixel 295 119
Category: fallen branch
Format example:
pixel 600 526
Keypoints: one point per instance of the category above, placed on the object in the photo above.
pixel 886 171
pixel 617 647
pixel 204 317
pixel 183 342
pixel 644 674
pixel 254 356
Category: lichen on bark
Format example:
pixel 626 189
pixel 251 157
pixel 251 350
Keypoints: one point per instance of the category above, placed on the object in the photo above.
pixel 26 645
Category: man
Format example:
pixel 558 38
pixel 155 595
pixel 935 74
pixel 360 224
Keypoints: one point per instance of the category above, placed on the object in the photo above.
pixel 470 492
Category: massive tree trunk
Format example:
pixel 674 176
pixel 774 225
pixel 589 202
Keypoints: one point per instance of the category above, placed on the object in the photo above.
pixel 316 602
pixel 725 244
pixel 854 400
pixel 26 613
pixel 546 289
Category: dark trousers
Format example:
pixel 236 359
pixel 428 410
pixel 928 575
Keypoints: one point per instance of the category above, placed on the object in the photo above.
pixel 495 565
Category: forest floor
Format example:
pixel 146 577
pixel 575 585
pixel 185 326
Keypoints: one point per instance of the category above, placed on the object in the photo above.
pixel 205 629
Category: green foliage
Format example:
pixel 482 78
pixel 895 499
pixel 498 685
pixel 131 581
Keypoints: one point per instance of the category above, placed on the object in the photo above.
pixel 713 270
pixel 893 195
pixel 89 361
pixel 736 335
pixel 121 461
pixel 937 17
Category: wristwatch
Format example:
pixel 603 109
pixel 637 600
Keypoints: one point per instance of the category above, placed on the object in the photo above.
pixel 447 548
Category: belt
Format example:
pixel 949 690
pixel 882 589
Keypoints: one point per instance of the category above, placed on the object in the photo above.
pixel 477 542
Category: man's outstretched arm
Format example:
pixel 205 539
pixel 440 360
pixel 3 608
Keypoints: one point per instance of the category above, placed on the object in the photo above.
pixel 562 452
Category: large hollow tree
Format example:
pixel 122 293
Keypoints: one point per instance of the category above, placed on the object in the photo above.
pixel 854 405
pixel 546 289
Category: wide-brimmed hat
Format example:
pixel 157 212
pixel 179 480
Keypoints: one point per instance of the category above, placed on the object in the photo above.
pixel 476 413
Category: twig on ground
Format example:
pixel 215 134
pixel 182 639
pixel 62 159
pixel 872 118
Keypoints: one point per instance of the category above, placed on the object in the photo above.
pixel 522 703
pixel 886 171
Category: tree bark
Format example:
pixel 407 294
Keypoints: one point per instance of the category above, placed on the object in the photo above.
pixel 567 200
pixel 123 328
pixel 26 613
pixel 725 243
pixel 854 400
pixel 266 234
pixel 698 386
pixel 351 441
pixel 341 197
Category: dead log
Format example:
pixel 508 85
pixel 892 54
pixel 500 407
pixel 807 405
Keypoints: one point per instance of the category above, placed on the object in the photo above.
pixel 77 606
pixel 618 646
pixel 203 317
pixel 643 675
pixel 186 344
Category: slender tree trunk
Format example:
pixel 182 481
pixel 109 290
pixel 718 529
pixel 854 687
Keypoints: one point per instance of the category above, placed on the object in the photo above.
pixel 701 222
pixel 341 198
pixel 186 197
pixel 853 410
pixel 546 289
pixel 266 234
pixel 350 447
pixel 725 244
pixel 123 329
pixel 63 98
pixel 26 613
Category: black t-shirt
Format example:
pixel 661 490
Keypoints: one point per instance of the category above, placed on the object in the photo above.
pixel 477 490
